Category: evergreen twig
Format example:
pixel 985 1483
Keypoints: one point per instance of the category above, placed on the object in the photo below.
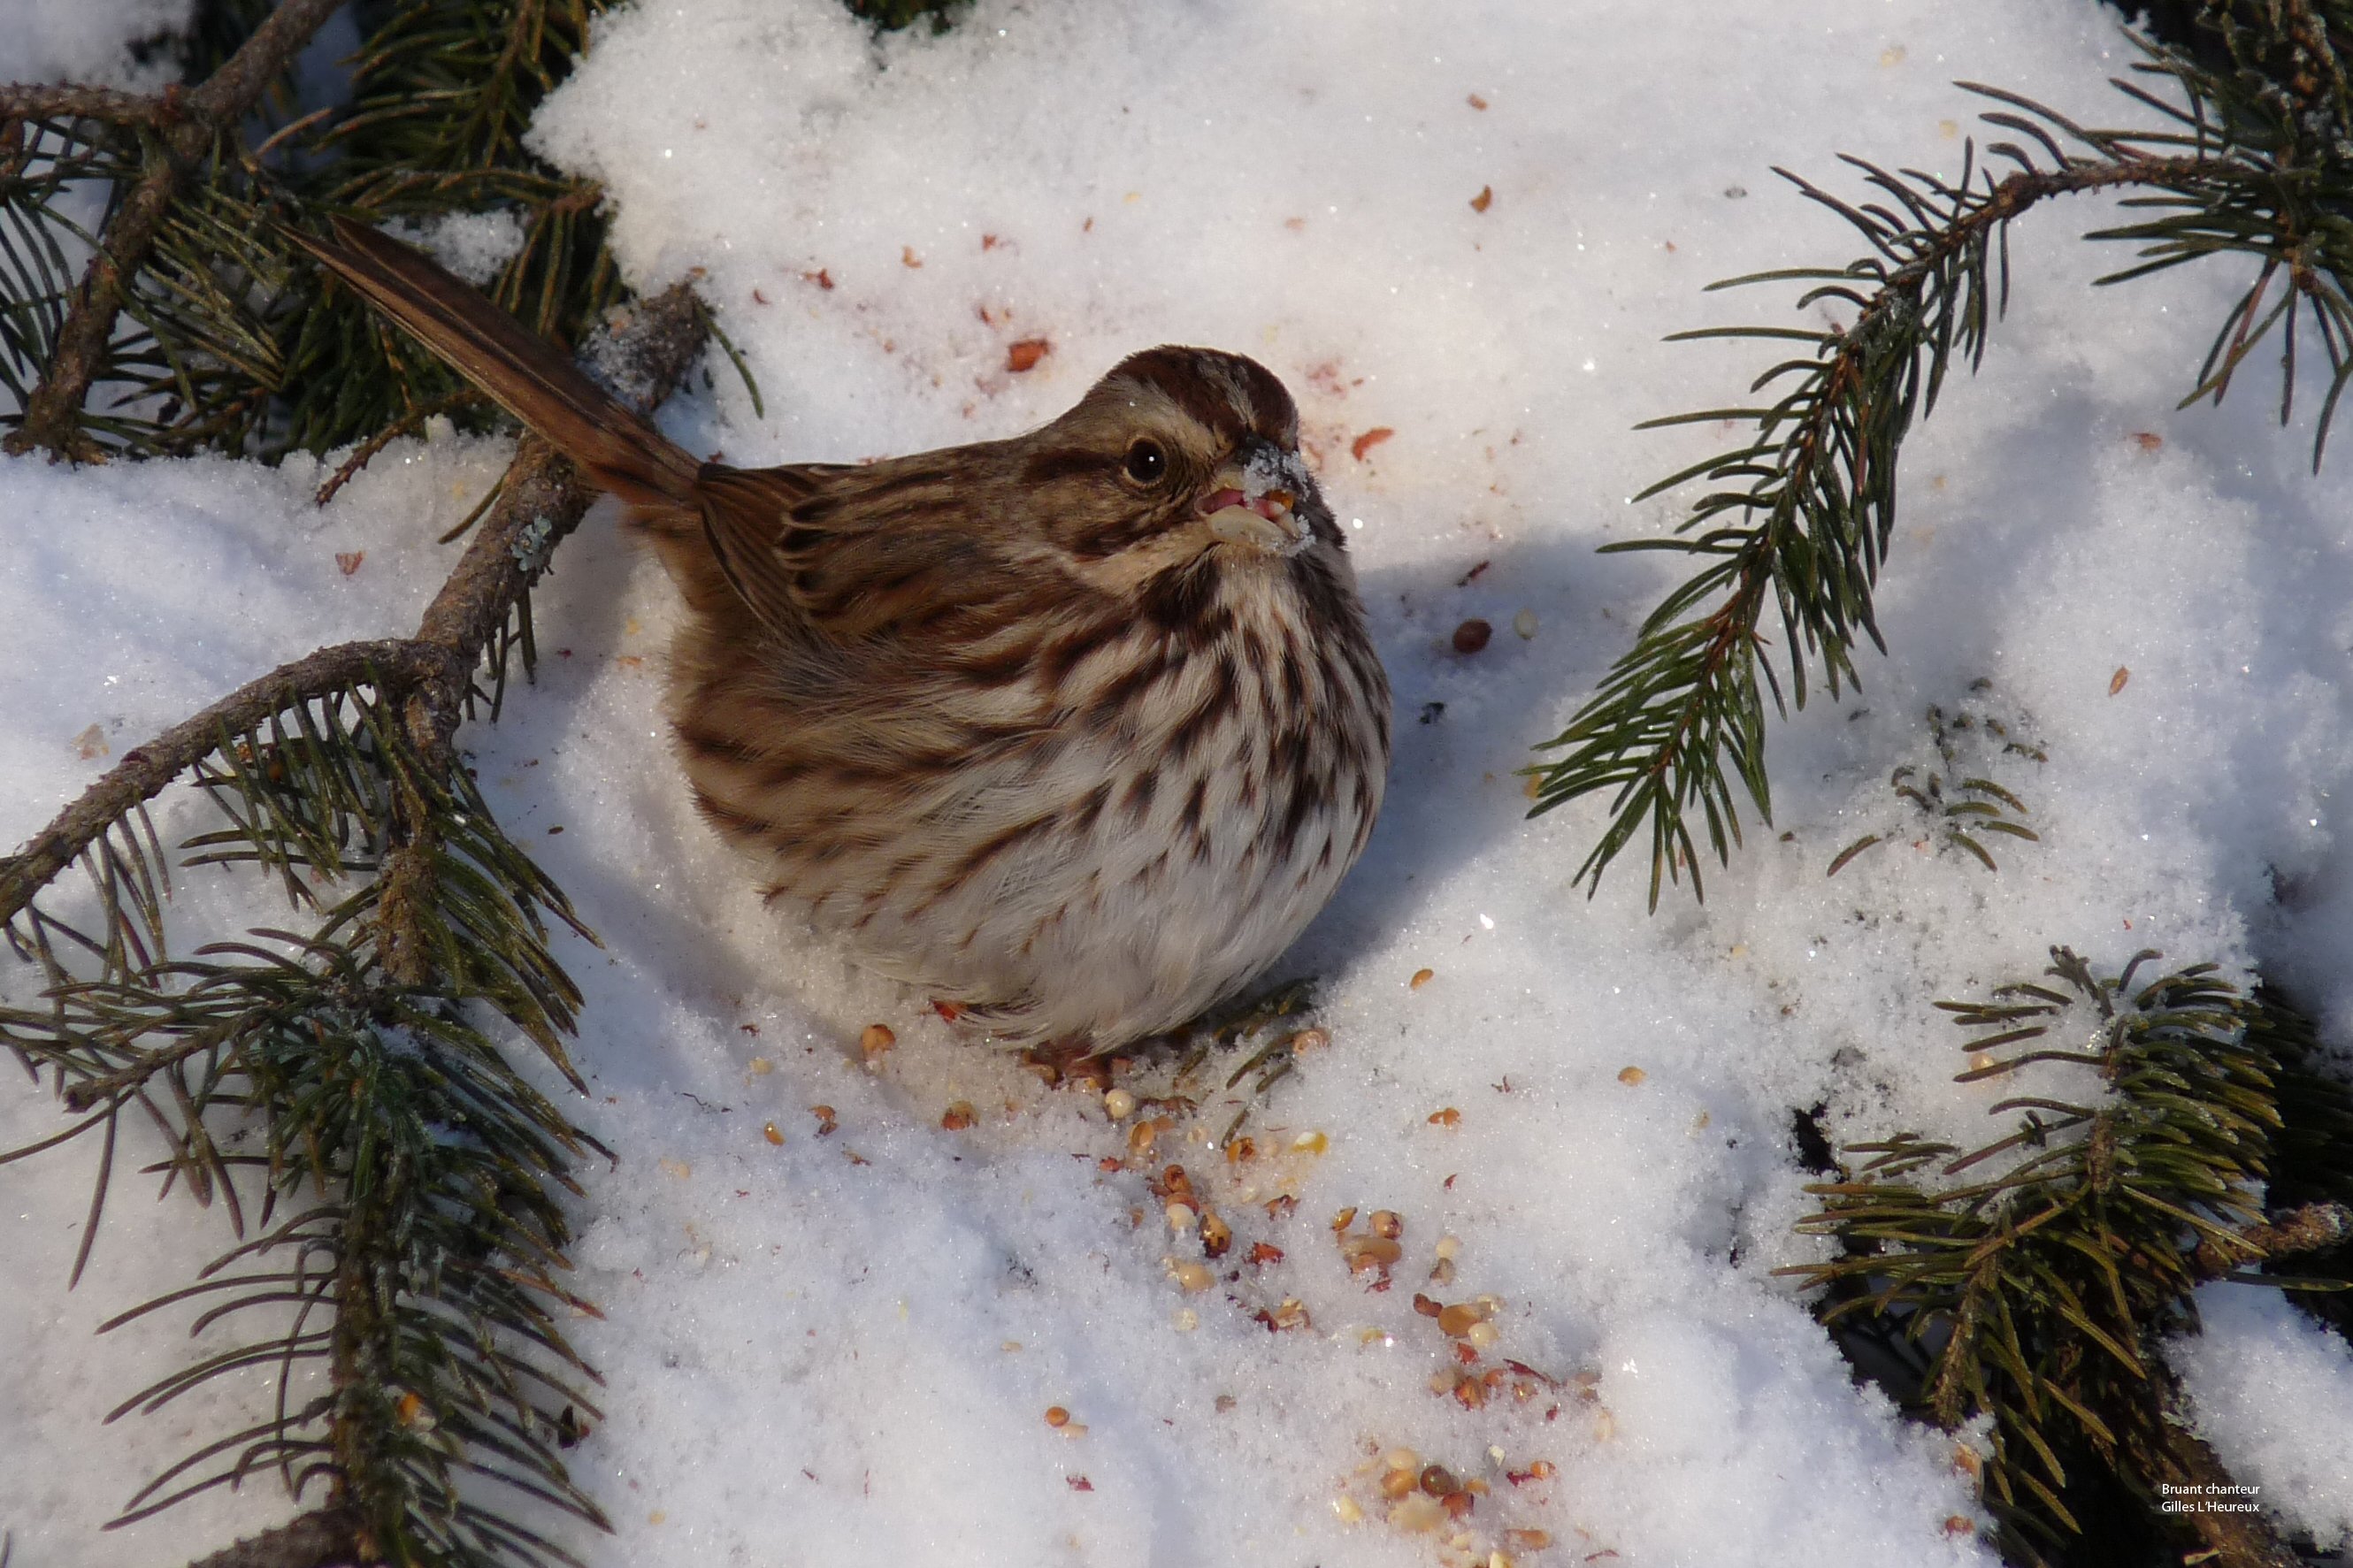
pixel 409 1178
pixel 2256 163
pixel 191 123
pixel 425 1271
pixel 195 324
pixel 2036 1281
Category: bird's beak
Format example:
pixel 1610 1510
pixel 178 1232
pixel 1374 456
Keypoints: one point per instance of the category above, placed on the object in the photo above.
pixel 1254 502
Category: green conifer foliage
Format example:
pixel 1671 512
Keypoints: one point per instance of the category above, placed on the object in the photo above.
pixel 2247 159
pixel 2024 1289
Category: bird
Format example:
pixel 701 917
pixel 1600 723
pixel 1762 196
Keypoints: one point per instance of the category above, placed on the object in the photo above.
pixel 1075 730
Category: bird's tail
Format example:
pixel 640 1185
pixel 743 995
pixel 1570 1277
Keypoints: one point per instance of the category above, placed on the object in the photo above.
pixel 528 377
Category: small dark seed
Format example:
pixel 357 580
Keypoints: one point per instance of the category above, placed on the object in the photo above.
pixel 1472 636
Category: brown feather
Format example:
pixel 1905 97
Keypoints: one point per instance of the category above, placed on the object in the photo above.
pixel 743 512
pixel 528 377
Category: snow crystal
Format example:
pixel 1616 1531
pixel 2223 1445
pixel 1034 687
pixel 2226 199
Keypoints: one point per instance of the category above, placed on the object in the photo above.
pixel 2272 1392
pixel 108 43
pixel 474 246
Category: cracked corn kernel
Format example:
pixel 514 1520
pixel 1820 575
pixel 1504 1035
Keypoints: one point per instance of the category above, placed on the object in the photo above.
pixel 958 1116
pixel 1193 1276
pixel 1057 1417
pixel 1457 1321
pixel 1345 1507
pixel 1386 1223
pixel 1417 1514
pixel 771 1134
pixel 876 1038
pixel 1421 977
pixel 1119 1105
pixel 1631 1076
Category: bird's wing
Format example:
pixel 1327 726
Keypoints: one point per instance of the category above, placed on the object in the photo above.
pixel 745 513
pixel 827 548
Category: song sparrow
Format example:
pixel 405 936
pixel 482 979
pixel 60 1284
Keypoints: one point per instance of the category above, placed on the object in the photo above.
pixel 1076 730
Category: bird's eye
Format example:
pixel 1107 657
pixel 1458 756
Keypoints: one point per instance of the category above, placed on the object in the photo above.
pixel 1146 462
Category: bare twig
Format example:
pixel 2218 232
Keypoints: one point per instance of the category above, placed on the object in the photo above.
pixel 324 1538
pixel 72 101
pixel 2311 1228
pixel 364 453
pixel 190 121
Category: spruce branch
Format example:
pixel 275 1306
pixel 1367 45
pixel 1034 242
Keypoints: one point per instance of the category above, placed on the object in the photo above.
pixel 408 1236
pixel 425 1276
pixel 191 124
pixel 474 616
pixel 147 770
pixel 194 324
pixel 2034 1280
pixel 1800 512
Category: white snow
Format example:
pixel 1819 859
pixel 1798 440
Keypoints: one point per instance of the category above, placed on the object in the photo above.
pixel 816 1358
pixel 474 246
pixel 2273 1391
pixel 90 41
